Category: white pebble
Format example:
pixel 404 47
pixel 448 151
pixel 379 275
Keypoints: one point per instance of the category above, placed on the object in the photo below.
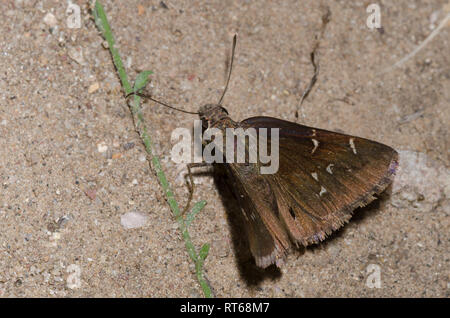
pixel 50 20
pixel 132 220
pixel 102 147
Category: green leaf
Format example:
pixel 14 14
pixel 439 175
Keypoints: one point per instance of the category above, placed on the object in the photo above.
pixel 97 11
pixel 204 252
pixel 103 25
pixel 141 80
pixel 195 210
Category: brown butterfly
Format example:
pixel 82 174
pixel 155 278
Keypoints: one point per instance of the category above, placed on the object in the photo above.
pixel 323 177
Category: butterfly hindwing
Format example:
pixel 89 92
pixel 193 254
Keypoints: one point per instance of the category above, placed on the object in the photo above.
pixel 268 238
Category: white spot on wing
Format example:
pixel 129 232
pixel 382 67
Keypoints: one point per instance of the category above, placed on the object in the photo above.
pixel 316 144
pixel 322 190
pixel 245 214
pixel 329 168
pixel 314 175
pixel 352 145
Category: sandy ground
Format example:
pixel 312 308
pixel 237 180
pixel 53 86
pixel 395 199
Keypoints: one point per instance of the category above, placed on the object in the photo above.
pixel 72 167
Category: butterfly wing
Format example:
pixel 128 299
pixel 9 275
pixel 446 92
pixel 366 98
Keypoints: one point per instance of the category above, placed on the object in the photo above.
pixel 268 238
pixel 322 177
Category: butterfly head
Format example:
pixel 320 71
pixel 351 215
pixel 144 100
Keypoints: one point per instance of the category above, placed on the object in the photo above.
pixel 210 114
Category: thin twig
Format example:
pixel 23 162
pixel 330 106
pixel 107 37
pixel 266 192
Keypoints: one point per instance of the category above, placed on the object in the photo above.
pixel 314 62
pixel 420 46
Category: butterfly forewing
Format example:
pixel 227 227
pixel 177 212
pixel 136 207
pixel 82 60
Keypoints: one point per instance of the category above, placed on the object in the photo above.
pixel 323 176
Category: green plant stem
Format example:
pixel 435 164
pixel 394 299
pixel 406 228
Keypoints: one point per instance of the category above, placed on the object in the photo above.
pixel 198 259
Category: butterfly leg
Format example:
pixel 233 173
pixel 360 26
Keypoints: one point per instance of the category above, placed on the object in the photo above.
pixel 191 184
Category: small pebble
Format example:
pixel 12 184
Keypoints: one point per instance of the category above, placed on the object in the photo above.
pixel 76 54
pixel 132 220
pixel 116 155
pixel 50 20
pixel 91 193
pixel 102 147
pixel 128 146
pixel 93 87
pixel 141 9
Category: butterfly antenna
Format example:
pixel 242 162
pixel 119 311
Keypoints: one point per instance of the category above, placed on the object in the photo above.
pixel 231 68
pixel 159 102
